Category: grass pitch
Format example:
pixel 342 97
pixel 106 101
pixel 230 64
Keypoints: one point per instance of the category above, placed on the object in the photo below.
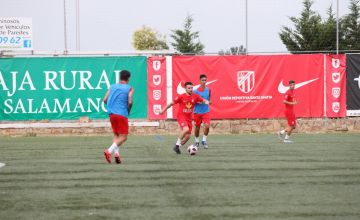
pixel 238 177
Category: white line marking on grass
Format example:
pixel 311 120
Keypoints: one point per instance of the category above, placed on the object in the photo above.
pixel 2 164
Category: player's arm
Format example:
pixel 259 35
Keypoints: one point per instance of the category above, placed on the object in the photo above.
pixel 178 99
pixel 206 102
pixel 202 100
pixel 105 99
pixel 166 108
pixel 209 96
pixel 130 100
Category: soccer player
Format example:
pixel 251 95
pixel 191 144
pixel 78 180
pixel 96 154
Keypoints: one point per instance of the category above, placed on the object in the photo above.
pixel 202 112
pixel 119 99
pixel 186 103
pixel 289 102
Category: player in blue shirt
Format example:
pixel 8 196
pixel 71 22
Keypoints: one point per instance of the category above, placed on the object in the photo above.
pixel 202 112
pixel 119 99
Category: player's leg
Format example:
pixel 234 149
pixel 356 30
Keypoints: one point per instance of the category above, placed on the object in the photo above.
pixel 281 134
pixel 183 133
pixel 291 126
pixel 119 140
pixel 185 139
pixel 206 121
pixel 184 129
pixel 188 134
pixel 187 128
pixel 289 130
pixel 197 134
pixel 120 129
pixel 204 139
pixel 197 120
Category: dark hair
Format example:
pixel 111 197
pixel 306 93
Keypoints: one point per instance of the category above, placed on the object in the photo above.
pixel 202 76
pixel 188 83
pixel 291 81
pixel 125 75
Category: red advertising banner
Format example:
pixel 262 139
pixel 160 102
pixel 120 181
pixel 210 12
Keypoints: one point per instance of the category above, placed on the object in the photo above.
pixel 156 86
pixel 254 86
pixel 335 86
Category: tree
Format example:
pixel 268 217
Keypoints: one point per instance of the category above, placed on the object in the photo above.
pixel 308 31
pixel 234 51
pixel 185 40
pixel 350 27
pixel 147 38
pixel 327 38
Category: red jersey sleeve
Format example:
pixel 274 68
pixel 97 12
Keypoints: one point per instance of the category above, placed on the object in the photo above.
pixel 177 99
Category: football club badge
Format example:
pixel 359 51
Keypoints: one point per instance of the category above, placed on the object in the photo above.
pixel 156 109
pixel 336 107
pixel 246 81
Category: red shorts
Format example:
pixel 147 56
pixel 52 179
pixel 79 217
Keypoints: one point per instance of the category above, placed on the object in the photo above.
pixel 202 118
pixel 290 116
pixel 185 122
pixel 119 124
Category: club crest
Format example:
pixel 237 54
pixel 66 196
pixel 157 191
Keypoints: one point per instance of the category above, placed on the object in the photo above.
pixel 246 81
pixel 156 109
pixel 336 107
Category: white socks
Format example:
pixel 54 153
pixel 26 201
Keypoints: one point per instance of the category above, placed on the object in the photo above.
pixel 178 142
pixel 196 139
pixel 282 132
pixel 113 148
pixel 287 137
pixel 204 138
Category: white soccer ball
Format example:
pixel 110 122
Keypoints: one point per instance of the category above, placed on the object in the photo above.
pixel 192 149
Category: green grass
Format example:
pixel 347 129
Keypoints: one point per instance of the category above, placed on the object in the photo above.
pixel 238 177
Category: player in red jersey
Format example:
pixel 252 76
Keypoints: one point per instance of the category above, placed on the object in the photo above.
pixel 186 103
pixel 289 102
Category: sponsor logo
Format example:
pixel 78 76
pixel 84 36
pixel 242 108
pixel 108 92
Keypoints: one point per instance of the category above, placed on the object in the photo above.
pixel 246 81
pixel 283 89
pixel 156 109
pixel 358 79
pixel 353 112
pixel 335 63
pixel 181 90
pixel 336 107
pixel 156 65
pixel 336 77
pixel 336 92
pixel 157 94
pixel 156 80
